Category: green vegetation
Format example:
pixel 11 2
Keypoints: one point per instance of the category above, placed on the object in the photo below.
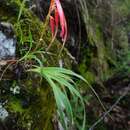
pixel 31 50
pixel 50 93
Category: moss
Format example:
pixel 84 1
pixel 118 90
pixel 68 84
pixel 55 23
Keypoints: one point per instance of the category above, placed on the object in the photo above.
pixel 107 39
pixel 122 7
pixel 42 107
pixel 34 106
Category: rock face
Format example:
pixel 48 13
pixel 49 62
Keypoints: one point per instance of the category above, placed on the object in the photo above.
pixel 7 41
pixel 3 113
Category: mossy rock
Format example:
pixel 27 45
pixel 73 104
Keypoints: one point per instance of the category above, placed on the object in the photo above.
pixel 107 47
pixel 34 107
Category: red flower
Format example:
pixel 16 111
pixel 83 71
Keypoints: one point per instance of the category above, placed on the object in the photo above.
pixel 57 18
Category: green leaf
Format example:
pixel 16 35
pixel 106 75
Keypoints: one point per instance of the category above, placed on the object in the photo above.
pixel 60 79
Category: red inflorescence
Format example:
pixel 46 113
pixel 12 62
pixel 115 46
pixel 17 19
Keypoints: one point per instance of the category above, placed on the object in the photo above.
pixel 58 18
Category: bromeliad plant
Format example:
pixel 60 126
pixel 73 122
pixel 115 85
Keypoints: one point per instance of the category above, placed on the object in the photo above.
pixel 60 80
pixel 57 17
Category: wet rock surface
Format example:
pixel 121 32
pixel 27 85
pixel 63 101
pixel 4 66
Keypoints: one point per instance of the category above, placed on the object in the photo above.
pixel 7 41
pixel 117 85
